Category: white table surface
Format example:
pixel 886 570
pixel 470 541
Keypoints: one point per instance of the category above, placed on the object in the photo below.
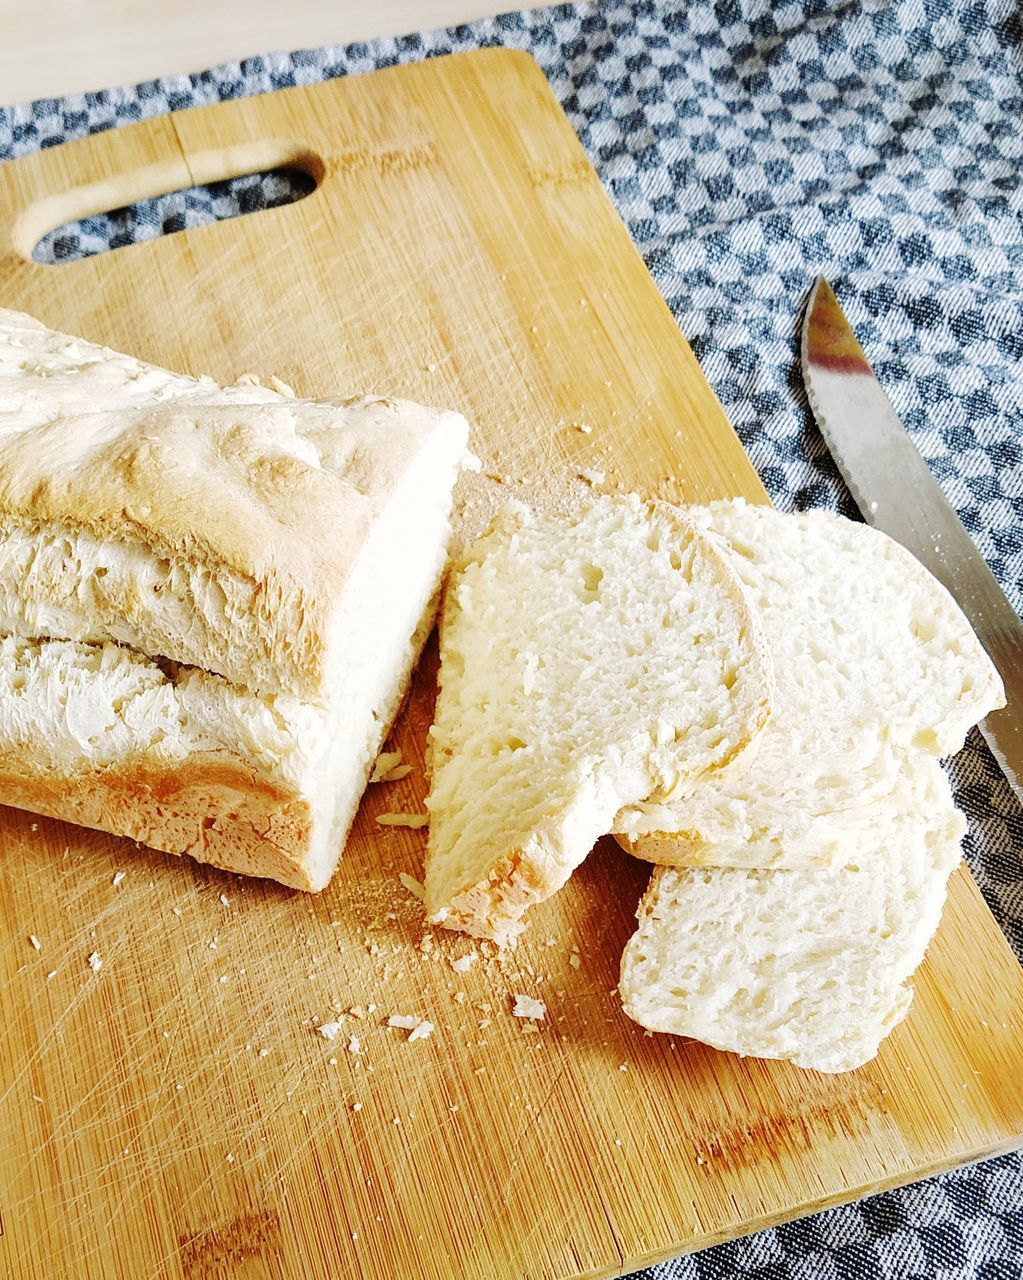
pixel 49 48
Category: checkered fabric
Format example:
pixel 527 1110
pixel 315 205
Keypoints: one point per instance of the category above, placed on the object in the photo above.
pixel 750 147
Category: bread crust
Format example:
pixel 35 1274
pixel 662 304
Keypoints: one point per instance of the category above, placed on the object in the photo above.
pixel 493 908
pixel 215 811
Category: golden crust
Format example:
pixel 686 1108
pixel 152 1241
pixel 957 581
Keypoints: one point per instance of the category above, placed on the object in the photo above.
pixel 215 812
pixel 665 848
pixel 493 908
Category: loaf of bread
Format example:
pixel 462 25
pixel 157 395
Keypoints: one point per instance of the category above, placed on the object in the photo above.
pixel 587 664
pixel 811 966
pixel 873 660
pixel 211 599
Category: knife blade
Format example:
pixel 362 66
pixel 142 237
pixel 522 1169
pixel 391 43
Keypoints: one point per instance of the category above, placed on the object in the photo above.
pixel 896 492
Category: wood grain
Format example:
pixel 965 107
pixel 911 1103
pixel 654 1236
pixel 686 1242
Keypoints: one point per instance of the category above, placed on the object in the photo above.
pixel 175 1114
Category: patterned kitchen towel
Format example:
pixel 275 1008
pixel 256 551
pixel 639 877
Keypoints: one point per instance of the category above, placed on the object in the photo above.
pixel 751 146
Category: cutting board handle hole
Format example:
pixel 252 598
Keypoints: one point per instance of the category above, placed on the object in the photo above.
pixel 114 213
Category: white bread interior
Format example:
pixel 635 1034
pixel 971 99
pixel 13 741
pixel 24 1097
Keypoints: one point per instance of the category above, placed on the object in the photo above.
pixel 873 659
pixel 811 966
pixel 587 663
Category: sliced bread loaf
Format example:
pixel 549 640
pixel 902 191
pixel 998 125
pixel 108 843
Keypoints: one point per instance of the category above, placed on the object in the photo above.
pixel 809 966
pixel 586 663
pixel 872 659
pixel 211 599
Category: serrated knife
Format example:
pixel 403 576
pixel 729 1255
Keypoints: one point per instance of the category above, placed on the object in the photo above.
pixel 896 492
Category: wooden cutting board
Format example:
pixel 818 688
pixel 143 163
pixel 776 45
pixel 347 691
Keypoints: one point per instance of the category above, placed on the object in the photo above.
pixel 175 1114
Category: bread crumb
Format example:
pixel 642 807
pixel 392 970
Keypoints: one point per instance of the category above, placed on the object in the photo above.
pixel 95 963
pixel 356 1106
pixel 459 997
pixel 264 1053
pixel 355 1045
pixel 396 1120
pixel 574 960
pixel 591 476
pixel 418 1028
pixel 357 1011
pixel 527 1007
pixel 225 900
pixel 414 886
pixel 464 963
pixel 51 974
pixel 34 942
pixel 388 767
pixel 332 1062
pixel 34 827
pixel 118 877
pixel 175 911
pixel 623 1066
pixel 229 1158
pixel 412 820
pixel 584 427
pixel 329 1030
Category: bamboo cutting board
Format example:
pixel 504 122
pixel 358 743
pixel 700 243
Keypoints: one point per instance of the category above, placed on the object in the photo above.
pixel 175 1114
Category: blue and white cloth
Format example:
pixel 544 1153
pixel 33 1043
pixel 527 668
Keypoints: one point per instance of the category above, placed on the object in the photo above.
pixel 751 146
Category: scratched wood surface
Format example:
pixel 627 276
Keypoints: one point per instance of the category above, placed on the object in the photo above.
pixel 175 1114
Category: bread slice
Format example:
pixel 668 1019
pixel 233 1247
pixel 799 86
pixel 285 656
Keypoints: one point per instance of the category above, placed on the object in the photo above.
pixel 257 571
pixel 872 659
pixel 587 663
pixel 808 966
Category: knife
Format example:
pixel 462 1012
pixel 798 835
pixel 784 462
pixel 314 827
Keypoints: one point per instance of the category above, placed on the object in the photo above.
pixel 896 492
